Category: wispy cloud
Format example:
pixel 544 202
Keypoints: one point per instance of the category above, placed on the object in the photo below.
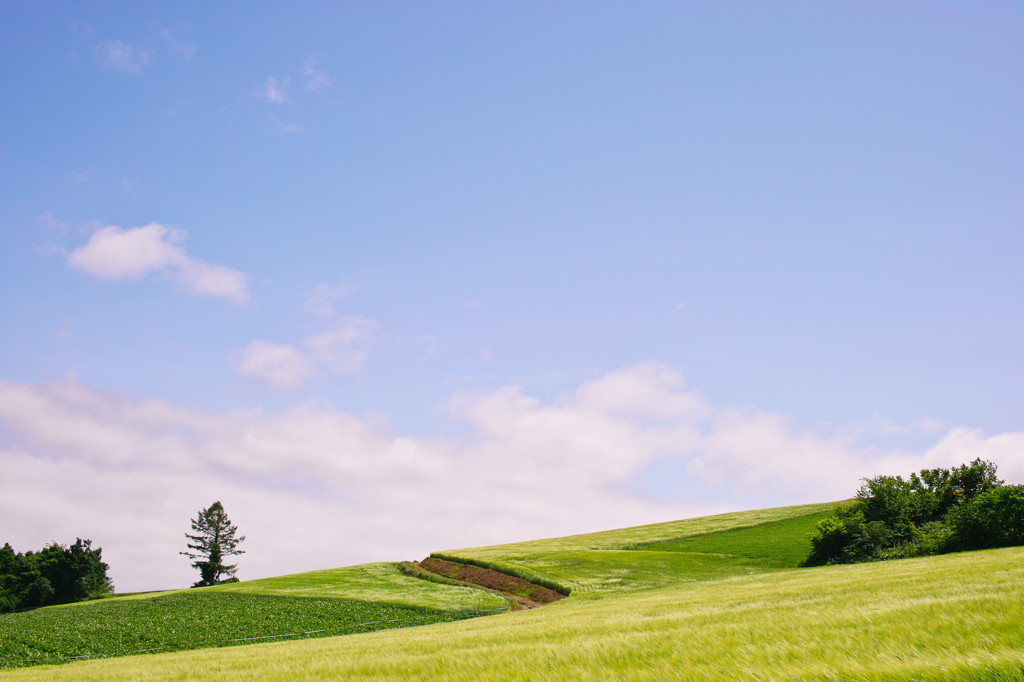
pixel 116 254
pixel 322 299
pixel 287 127
pixel 177 46
pixel 274 91
pixel 338 350
pixel 120 56
pixel 525 468
pixel 279 365
pixel 315 78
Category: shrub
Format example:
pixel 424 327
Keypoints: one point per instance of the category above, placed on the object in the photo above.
pixel 934 511
pixel 992 519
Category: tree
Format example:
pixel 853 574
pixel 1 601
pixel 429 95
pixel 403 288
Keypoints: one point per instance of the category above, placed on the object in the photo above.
pixel 54 575
pixel 213 542
pixel 935 511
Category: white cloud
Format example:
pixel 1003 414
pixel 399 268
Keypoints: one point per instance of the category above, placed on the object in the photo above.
pixel 114 253
pixel 315 78
pixel 114 54
pixel 525 469
pixel 279 365
pixel 321 300
pixel 210 279
pixel 275 92
pixel 337 350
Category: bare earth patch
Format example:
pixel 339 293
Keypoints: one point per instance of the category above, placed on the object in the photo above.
pixel 528 595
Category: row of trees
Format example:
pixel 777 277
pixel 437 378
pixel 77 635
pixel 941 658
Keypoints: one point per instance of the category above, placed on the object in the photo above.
pixel 60 575
pixel 54 575
pixel 933 512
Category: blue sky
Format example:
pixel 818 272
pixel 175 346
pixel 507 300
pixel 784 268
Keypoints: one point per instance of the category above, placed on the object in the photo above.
pixel 537 267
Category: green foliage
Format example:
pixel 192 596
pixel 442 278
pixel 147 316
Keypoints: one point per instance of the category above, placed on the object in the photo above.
pixel 992 519
pixel 935 511
pixel 192 620
pixel 213 542
pixel 54 575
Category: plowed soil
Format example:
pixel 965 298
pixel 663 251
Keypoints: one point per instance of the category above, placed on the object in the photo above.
pixel 527 594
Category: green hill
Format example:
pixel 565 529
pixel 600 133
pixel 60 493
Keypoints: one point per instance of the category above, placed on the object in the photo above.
pixel 711 598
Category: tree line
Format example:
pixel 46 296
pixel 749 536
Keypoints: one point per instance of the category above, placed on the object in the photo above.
pixel 935 511
pixel 54 575
pixel 61 575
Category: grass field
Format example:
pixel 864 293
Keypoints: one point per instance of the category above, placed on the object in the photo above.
pixel 318 604
pixel 701 599
pixel 191 620
pixel 649 556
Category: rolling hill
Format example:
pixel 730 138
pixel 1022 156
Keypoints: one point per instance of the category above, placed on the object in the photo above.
pixel 711 598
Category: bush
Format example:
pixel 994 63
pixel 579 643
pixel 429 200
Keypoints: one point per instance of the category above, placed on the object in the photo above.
pixel 992 519
pixel 934 511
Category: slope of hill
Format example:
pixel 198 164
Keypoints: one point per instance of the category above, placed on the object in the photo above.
pixel 652 555
pixel 709 599
pixel 339 601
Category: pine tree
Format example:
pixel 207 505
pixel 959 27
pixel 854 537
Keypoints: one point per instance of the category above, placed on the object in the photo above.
pixel 213 542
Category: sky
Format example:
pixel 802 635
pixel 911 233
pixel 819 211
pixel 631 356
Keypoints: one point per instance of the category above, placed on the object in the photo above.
pixel 393 278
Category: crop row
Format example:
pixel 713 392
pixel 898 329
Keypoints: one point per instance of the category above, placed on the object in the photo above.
pixel 192 620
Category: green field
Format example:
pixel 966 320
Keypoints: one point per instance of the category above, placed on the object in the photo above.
pixel 326 603
pixel 712 598
pixel 190 620
pixel 650 556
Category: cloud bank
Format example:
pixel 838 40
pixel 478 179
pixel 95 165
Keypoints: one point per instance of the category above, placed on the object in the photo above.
pixel 313 487
pixel 117 254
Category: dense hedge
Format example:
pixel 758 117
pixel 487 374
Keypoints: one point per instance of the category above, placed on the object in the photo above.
pixel 933 512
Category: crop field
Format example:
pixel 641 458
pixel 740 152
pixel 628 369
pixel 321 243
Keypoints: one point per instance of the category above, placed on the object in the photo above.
pixel 713 598
pixel 706 548
pixel 192 620
pixel 318 604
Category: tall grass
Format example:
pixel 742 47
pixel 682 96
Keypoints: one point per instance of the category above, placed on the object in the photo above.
pixel 644 557
pixel 380 583
pixel 956 616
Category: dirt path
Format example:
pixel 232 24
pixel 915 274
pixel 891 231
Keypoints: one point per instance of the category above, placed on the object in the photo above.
pixel 528 595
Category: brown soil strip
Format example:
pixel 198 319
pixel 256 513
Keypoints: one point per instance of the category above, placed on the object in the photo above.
pixel 526 594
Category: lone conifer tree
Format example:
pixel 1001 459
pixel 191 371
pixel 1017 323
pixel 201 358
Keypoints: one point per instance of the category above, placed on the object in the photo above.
pixel 213 542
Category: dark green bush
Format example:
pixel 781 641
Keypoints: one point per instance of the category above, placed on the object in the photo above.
pixel 934 511
pixel 992 519
pixel 53 575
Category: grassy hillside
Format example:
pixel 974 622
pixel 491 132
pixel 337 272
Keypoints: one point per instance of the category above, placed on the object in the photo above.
pixel 700 599
pixel 710 547
pixel 340 601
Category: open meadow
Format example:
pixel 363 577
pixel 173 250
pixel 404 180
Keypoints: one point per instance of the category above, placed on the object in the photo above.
pixel 712 598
